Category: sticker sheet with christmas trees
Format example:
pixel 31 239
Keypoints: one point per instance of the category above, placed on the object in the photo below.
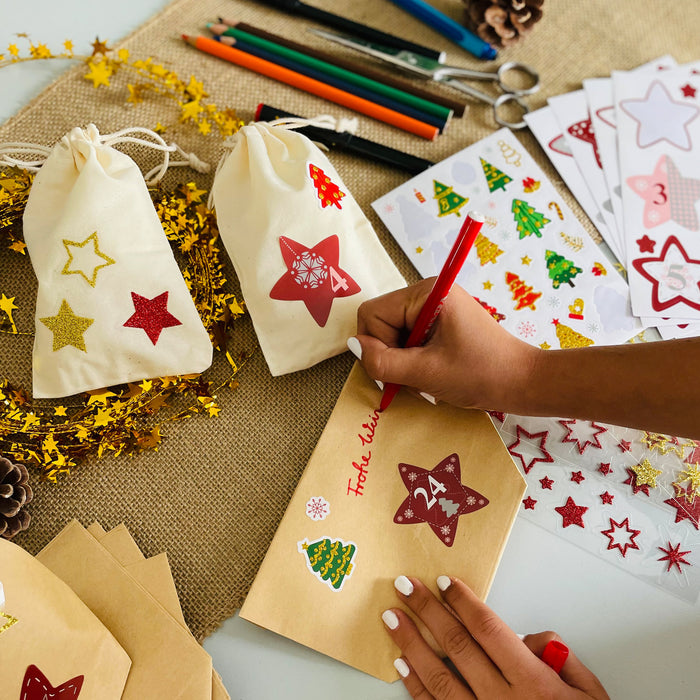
pixel 533 267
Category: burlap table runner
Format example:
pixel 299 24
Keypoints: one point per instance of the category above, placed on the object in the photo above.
pixel 214 492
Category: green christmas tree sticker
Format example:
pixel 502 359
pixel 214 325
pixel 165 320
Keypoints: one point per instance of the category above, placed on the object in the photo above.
pixel 496 179
pixel 560 269
pixel 331 561
pixel 527 219
pixel 449 202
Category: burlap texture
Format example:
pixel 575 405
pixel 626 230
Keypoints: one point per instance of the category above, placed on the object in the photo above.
pixel 216 489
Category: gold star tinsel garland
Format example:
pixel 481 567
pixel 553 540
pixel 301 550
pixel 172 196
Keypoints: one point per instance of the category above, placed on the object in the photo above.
pixel 55 437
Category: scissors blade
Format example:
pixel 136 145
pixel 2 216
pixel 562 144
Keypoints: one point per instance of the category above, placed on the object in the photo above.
pixel 409 61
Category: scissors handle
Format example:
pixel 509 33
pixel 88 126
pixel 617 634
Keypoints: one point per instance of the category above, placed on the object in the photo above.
pixel 502 104
pixel 502 77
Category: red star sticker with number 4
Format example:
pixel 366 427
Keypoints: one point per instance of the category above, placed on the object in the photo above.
pixel 36 686
pixel 437 497
pixel 152 315
pixel 624 528
pixel 527 452
pixel 313 276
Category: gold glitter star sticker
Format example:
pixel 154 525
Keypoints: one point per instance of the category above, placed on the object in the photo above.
pixel 646 474
pixel 545 345
pixel 419 250
pixel 99 73
pixel 67 328
pixel 663 443
pixel 525 260
pixel 487 285
pixel 692 474
pixel 85 259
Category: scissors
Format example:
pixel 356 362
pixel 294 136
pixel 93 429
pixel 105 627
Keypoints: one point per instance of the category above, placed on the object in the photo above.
pixel 431 69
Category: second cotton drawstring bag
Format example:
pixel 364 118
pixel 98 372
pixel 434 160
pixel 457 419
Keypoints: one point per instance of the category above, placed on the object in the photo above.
pixel 305 254
pixel 112 305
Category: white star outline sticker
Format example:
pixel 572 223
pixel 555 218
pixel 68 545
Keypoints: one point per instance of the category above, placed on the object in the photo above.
pixel 660 118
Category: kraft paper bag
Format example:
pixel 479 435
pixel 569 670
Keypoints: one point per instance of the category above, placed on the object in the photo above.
pixel 304 252
pixel 419 490
pixel 112 305
pixel 167 662
pixel 51 644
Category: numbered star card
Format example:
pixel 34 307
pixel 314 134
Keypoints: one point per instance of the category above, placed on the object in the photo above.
pixel 533 267
pixel 658 118
pixel 419 490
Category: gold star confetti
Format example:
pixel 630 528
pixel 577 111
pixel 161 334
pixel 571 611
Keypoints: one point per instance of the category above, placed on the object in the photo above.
pixel 7 306
pixel 488 285
pixel 14 51
pixel 68 46
pixel 123 55
pixel 59 411
pixel 525 260
pixel 545 345
pixel 67 328
pixel 99 73
pixel 419 250
pixel 646 474
pixel 204 127
pixel 85 259
pixel 190 110
pixel 99 47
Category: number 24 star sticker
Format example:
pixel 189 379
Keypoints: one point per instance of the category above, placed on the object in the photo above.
pixel 437 497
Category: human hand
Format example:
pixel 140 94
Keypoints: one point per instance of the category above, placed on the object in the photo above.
pixel 469 360
pixel 491 658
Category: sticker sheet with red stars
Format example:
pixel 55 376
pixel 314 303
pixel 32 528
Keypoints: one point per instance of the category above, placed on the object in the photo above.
pixel 630 497
pixel 533 267
pixel 658 123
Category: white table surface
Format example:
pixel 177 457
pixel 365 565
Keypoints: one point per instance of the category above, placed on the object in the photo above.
pixel 641 642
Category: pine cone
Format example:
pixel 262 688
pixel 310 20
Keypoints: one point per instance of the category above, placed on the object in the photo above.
pixel 15 493
pixel 503 22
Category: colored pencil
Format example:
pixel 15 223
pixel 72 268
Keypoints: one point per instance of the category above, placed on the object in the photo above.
pixel 346 25
pixel 334 71
pixel 333 81
pixel 315 87
pixel 346 141
pixel 443 284
pixel 359 67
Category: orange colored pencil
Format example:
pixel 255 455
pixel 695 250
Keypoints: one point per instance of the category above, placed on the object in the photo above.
pixel 315 87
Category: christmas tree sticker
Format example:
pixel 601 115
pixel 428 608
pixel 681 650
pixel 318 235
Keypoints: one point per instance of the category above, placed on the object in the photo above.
pixel 569 338
pixel 328 192
pixel 449 202
pixel 496 179
pixel 522 293
pixel 486 250
pixel 528 220
pixel 331 561
pixel 560 269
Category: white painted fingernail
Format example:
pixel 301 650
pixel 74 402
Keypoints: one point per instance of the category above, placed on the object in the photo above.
pixel 390 620
pixel 521 636
pixel 380 384
pixel 403 585
pixel 402 667
pixel 429 397
pixel 444 582
pixel 355 347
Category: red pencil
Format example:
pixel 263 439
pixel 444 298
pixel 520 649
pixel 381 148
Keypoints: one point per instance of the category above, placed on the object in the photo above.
pixel 443 284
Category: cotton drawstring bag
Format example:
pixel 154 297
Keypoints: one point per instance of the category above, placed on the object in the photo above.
pixel 112 305
pixel 305 254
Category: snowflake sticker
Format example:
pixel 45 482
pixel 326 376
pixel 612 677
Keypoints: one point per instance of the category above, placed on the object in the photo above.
pixel 527 329
pixel 318 508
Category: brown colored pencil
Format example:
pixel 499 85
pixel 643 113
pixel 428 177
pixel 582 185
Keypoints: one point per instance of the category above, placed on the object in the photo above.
pixel 359 68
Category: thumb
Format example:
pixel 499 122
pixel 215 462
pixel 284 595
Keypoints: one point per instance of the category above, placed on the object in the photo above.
pixel 388 364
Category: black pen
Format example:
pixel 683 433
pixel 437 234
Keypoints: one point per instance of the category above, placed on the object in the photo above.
pixel 344 140
pixel 361 30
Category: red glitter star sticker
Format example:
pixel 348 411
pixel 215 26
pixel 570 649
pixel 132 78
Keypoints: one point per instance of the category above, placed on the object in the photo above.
pixel 152 315
pixel 674 557
pixel 604 468
pixel 578 477
pixel 607 498
pixel 616 528
pixel 437 497
pixel 632 481
pixel 624 445
pixel 528 452
pixel 529 503
pixel 583 433
pixel 646 245
pixel 546 482
pixel 36 686
pixel 688 90
pixel 674 277
pixel 686 509
pixel 571 513
pixel 313 276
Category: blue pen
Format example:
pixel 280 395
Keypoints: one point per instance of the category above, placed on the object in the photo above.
pixel 447 26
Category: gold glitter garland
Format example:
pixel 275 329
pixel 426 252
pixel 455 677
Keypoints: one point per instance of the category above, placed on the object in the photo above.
pixel 55 437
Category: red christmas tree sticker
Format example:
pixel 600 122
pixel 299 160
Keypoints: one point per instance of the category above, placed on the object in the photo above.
pixel 437 497
pixel 151 315
pixel 313 276
pixel 36 686
pixel 329 194
pixel 522 293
